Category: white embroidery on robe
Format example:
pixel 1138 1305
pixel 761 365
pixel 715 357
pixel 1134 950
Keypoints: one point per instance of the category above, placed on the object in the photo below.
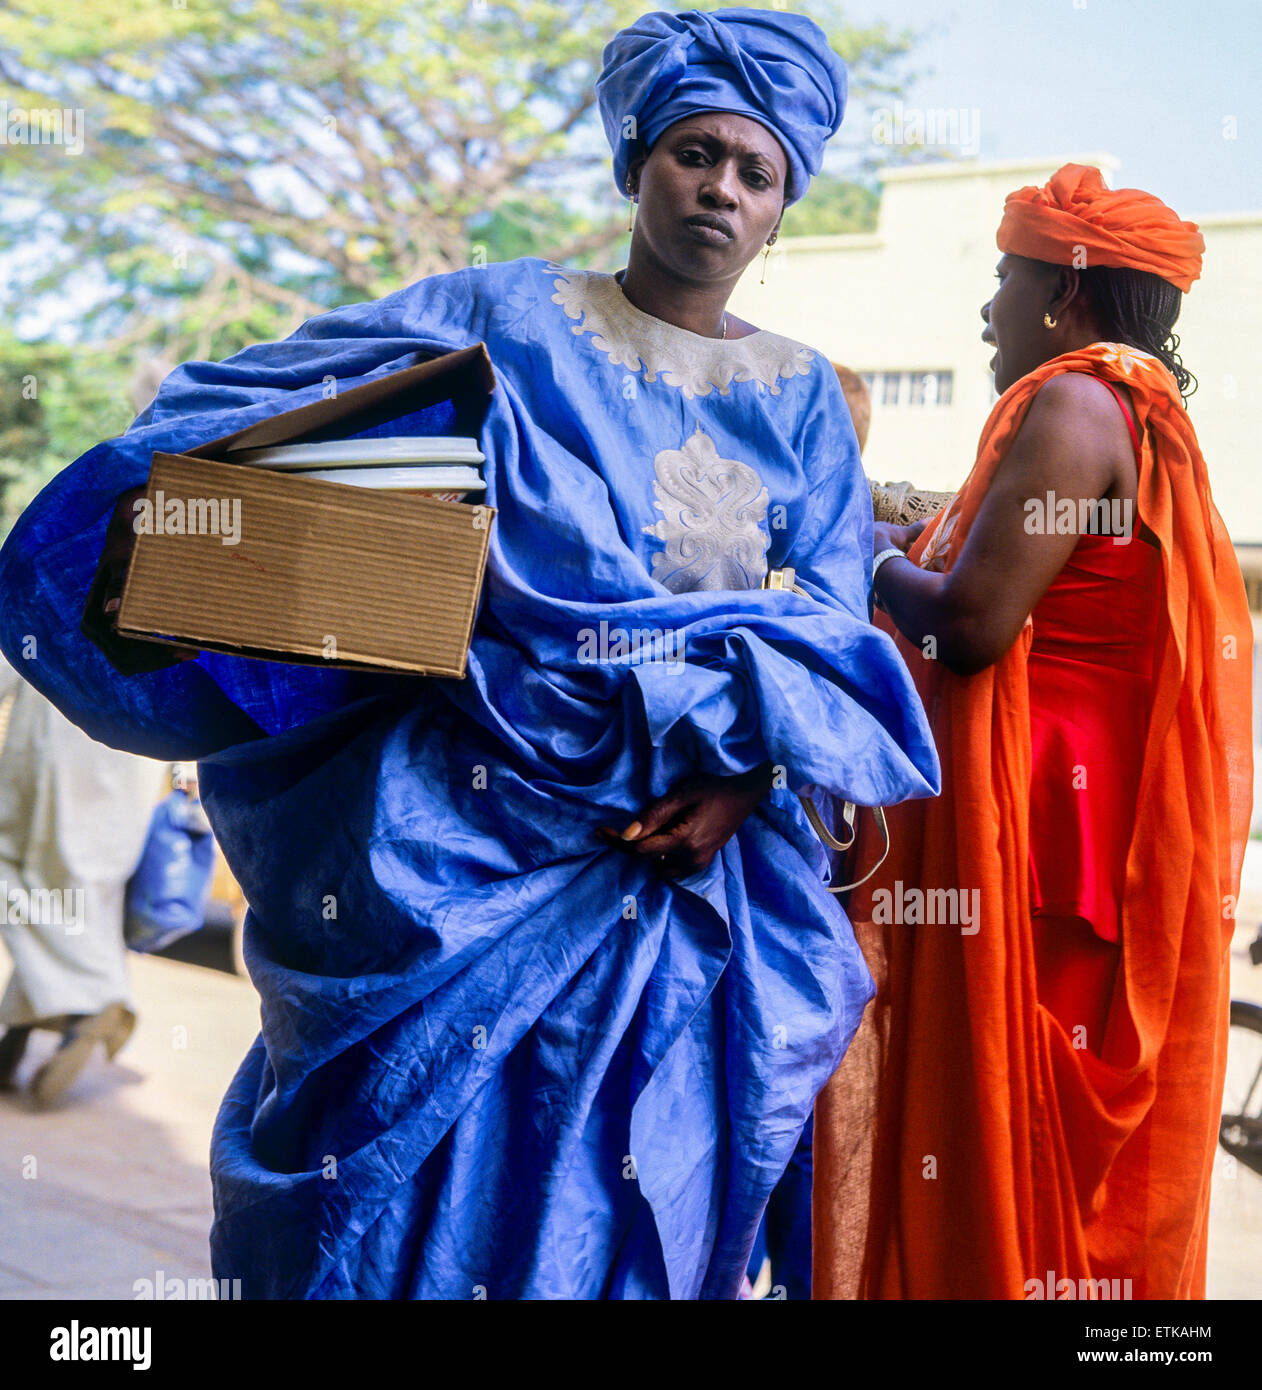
pixel 712 513
pixel 639 342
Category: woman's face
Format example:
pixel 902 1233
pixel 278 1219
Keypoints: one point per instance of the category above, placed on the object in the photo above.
pixel 711 192
pixel 1014 319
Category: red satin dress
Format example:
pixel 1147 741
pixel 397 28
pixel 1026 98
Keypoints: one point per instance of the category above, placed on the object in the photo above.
pixel 1090 672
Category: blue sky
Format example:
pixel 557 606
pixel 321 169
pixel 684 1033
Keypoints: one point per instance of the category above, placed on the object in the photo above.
pixel 1149 81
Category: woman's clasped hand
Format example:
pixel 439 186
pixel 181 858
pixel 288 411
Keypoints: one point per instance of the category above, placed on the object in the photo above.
pixel 683 830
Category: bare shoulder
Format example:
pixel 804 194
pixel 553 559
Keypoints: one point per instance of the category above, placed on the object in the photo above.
pixel 1073 439
pixel 1077 397
pixel 1076 414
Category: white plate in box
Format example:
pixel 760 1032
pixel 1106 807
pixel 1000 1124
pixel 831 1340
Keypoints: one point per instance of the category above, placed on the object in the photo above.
pixel 417 479
pixel 420 450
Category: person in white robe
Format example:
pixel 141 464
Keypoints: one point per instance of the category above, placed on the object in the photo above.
pixel 73 818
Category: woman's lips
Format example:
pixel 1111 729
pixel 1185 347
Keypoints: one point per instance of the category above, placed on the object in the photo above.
pixel 711 235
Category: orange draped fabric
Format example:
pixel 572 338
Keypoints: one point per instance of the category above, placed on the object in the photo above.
pixel 1075 220
pixel 1005 1159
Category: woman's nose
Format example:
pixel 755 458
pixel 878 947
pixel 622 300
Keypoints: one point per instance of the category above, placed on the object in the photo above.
pixel 720 187
pixel 985 311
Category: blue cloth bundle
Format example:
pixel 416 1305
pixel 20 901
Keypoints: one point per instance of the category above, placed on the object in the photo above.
pixel 498 1058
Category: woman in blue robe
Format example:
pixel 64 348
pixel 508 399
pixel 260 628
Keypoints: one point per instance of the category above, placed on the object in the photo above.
pixel 550 974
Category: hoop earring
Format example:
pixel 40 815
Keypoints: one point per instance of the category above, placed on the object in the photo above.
pixel 1048 320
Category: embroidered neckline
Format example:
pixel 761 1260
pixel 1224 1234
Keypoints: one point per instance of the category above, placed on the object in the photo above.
pixel 648 322
pixel 693 363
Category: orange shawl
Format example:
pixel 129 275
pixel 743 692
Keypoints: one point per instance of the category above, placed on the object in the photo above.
pixel 1002 1154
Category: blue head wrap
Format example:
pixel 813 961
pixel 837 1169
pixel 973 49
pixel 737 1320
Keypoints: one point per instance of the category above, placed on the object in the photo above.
pixel 773 67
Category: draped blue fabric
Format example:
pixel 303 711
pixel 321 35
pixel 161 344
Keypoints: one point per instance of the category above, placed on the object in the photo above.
pixel 774 67
pixel 499 1059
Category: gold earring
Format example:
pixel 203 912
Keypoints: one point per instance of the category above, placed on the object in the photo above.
pixel 1048 320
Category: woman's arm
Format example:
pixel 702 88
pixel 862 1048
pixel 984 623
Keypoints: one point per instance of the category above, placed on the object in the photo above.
pixel 1073 443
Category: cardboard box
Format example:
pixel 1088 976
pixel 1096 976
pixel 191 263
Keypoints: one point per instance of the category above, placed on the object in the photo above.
pixel 239 559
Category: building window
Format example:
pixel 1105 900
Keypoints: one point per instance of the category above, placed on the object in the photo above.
pixel 930 388
pixel 919 388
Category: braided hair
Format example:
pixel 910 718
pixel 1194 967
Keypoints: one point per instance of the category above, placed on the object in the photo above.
pixel 1141 309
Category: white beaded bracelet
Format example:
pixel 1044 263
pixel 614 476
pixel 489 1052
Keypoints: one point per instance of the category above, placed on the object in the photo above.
pixel 887 554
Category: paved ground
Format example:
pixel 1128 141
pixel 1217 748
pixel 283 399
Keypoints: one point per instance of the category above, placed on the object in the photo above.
pixel 1235 1213
pixel 113 1189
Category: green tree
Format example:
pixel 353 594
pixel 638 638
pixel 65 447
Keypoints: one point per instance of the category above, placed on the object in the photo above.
pixel 226 171
pixel 834 205
pixel 245 165
pixel 55 402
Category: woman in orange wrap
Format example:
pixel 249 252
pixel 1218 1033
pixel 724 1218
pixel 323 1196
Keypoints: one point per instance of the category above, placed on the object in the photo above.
pixel 1045 1066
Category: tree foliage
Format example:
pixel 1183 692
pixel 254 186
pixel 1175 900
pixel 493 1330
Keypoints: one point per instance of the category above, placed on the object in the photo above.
pixel 247 164
pixel 251 163
pixel 56 403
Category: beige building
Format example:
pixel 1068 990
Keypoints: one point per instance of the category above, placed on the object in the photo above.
pixel 901 307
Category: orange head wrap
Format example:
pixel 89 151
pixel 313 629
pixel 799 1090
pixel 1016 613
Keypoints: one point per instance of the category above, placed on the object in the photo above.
pixel 1075 220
